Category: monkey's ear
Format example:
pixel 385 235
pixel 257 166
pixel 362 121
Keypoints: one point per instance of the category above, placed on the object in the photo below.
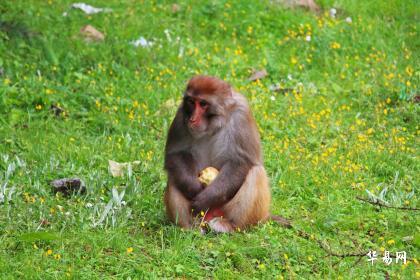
pixel 229 102
pixel 230 91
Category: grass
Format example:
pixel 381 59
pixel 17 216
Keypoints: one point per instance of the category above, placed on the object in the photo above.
pixel 348 127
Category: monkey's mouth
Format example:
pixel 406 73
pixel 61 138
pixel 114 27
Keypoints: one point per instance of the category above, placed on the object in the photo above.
pixel 196 130
pixel 194 125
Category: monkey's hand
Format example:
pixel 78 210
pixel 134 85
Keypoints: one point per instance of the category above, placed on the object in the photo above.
pixel 182 172
pixel 202 201
pixel 223 188
pixel 190 188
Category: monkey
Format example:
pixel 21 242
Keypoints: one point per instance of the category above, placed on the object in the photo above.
pixel 214 126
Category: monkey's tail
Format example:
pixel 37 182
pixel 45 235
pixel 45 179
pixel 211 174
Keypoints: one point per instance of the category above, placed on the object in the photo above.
pixel 281 221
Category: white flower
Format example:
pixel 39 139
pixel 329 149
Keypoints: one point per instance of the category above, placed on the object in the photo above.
pixel 349 20
pixel 333 12
pixel 142 42
pixel 272 98
pixel 181 51
pixel 289 76
pixel 88 9
pixel 168 35
pixel 308 38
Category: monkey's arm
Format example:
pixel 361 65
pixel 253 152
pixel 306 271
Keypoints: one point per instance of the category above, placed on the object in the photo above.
pixel 229 180
pixel 181 168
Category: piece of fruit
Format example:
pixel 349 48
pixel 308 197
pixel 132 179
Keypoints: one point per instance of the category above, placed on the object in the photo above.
pixel 207 175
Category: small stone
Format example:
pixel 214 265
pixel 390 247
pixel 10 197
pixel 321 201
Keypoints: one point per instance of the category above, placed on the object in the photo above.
pixel 91 34
pixel 258 75
pixel 175 8
pixel 68 186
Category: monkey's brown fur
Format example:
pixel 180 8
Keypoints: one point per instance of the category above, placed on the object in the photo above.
pixel 250 205
pixel 214 127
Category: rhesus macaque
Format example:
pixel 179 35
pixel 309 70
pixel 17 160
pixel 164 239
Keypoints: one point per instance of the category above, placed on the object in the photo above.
pixel 214 127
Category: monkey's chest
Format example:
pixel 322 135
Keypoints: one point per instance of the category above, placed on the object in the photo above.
pixel 206 154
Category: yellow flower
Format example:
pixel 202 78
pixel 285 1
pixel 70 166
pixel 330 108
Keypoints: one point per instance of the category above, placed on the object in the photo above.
pixel 391 242
pixel 335 45
pixel 6 82
pixel 57 256
pixel 49 252
pixel 409 71
pixel 261 266
pixel 129 250
pixel 293 60
pixel 131 115
pixel 38 107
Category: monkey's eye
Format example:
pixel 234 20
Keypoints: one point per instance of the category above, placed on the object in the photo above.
pixel 203 103
pixel 190 101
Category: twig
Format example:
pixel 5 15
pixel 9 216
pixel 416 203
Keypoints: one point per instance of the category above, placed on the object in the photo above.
pixel 329 252
pixel 327 248
pixel 381 204
pixel 158 136
pixel 359 259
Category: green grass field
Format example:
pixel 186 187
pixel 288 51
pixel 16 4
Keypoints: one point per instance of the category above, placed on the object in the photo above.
pixel 345 125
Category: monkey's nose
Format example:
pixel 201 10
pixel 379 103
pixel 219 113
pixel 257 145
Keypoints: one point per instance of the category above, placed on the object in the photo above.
pixel 194 122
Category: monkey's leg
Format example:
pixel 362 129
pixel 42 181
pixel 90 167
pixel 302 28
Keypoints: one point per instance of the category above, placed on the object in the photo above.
pixel 221 225
pixel 178 207
pixel 251 204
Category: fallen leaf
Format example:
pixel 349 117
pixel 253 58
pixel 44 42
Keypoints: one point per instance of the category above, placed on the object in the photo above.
pixel 118 169
pixel 258 75
pixel 91 34
pixel 88 9
pixel 306 4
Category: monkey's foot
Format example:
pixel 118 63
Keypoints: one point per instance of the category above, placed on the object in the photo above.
pixel 220 225
pixel 213 213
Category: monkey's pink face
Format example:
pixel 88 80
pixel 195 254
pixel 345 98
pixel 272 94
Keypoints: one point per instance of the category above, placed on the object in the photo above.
pixel 196 110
